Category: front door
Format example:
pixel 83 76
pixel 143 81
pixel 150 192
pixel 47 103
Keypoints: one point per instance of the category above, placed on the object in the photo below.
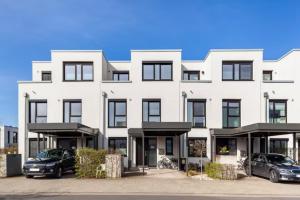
pixel 151 152
pixel 66 143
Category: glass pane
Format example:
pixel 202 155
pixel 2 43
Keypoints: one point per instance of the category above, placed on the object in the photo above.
pixel 198 108
pixel 234 111
pixel 166 72
pixel 148 72
pixel 121 146
pixel 154 119
pixel 41 119
pixel 145 111
pixel 32 112
pixel 115 77
pixel 120 108
pixel 280 109
pixel 120 121
pixel 225 117
pixel 236 72
pixel 41 109
pixel 157 72
pixel 78 72
pixel 75 108
pixel 69 72
pixel 190 111
pixel 87 72
pixel 234 104
pixel 199 121
pixel 154 108
pixel 233 121
pixel 66 112
pixel 246 70
pixel 194 76
pixel 111 114
pixel 185 76
pixel 123 77
pixel 75 119
pixel 227 72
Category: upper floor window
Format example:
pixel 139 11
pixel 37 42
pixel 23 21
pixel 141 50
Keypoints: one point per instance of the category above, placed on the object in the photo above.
pixel 117 114
pixel 46 76
pixel 151 110
pixel 120 76
pixel 267 75
pixel 196 113
pixel 15 137
pixel 157 71
pixel 8 137
pixel 277 111
pixel 72 111
pixel 38 112
pixel 78 71
pixel 231 113
pixel 191 75
pixel 237 71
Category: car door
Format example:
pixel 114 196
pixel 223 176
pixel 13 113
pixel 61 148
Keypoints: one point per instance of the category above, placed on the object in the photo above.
pixel 261 166
pixel 67 161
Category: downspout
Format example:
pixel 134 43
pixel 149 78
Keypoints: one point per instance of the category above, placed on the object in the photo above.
pixel 266 95
pixel 184 95
pixel 26 153
pixel 104 95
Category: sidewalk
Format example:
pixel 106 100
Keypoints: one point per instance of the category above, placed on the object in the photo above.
pixel 148 186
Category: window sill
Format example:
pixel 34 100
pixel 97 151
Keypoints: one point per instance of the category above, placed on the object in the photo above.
pixel 199 127
pixel 112 81
pixel 278 81
pixel 196 81
pixel 237 80
pixel 117 127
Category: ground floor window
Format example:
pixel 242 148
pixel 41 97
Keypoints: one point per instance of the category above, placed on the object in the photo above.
pixel 226 146
pixel 197 146
pixel 33 146
pixel 89 143
pixel 117 145
pixel 279 146
pixel 169 146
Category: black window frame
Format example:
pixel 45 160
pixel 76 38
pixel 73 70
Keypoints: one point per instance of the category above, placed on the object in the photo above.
pixel 228 116
pixel 193 101
pixel 8 137
pixel 114 148
pixel 15 137
pixel 148 107
pixel 233 63
pixel 280 140
pixel 114 117
pixel 47 73
pixel 70 101
pixel 157 63
pixel 81 71
pixel 35 114
pixel 269 72
pixel 171 152
pixel 230 151
pixel 118 73
pixel 42 147
pixel 204 155
pixel 274 101
pixel 189 72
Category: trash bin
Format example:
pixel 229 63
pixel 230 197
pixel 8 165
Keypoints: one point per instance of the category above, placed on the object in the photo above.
pixel 182 164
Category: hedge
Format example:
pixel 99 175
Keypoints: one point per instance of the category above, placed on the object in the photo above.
pixel 87 161
pixel 213 170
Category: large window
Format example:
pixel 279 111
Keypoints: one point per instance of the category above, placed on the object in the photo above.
pixel 169 146
pixel 33 146
pixel 78 71
pixel 226 146
pixel 237 71
pixel 120 76
pixel 231 113
pixel 46 76
pixel 196 113
pixel 267 75
pixel 117 145
pixel 72 111
pixel 151 110
pixel 191 75
pixel 197 146
pixel 38 112
pixel 15 137
pixel 157 71
pixel 279 146
pixel 277 111
pixel 117 114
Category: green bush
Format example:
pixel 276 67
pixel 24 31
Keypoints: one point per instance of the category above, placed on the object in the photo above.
pixel 87 161
pixel 213 170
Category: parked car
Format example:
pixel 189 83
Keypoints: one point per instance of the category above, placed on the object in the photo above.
pixel 51 162
pixel 276 167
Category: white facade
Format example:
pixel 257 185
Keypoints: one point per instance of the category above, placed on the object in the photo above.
pixel 8 136
pixel 210 87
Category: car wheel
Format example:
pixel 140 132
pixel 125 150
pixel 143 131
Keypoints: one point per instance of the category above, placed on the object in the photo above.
pixel 273 176
pixel 59 173
pixel 29 176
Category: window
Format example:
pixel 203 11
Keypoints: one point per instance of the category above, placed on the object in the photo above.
pixel 33 146
pixel 117 114
pixel 267 75
pixel 38 112
pixel 15 137
pixel 231 113
pixel 117 145
pixel 169 146
pixel 151 110
pixel 197 146
pixel 157 71
pixel 120 76
pixel 78 71
pixel 90 142
pixel 191 75
pixel 277 111
pixel 46 76
pixel 237 71
pixel 279 146
pixel 72 111
pixel 196 111
pixel 8 137
pixel 226 146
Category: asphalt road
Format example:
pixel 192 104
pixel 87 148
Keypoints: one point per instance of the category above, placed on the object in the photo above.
pixel 138 197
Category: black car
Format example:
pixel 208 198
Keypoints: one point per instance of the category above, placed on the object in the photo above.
pixel 51 162
pixel 276 167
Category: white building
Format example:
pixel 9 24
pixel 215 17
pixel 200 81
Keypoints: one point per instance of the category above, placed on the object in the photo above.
pixel 156 94
pixel 8 136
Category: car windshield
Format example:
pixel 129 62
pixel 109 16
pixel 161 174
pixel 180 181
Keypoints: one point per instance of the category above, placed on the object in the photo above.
pixel 53 153
pixel 279 159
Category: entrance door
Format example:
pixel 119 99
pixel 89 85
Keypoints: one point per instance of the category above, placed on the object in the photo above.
pixel 66 143
pixel 150 152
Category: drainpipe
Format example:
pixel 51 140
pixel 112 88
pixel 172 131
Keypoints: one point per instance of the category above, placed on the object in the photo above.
pixel 184 147
pixel 26 153
pixel 104 95
pixel 266 95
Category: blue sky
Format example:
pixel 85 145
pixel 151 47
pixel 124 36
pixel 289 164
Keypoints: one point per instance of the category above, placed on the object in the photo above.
pixel 30 29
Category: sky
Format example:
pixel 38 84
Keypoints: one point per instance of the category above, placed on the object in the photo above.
pixel 30 29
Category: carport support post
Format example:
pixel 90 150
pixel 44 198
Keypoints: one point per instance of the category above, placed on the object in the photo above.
pixel 38 143
pixel 294 146
pixel 187 154
pixel 44 142
pixel 266 143
pixel 249 154
pixel 81 140
pixel 143 147
pixel 178 138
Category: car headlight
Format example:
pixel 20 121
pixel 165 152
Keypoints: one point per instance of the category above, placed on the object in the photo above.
pixel 284 171
pixel 51 164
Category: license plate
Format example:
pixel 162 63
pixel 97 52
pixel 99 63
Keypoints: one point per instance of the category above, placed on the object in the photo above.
pixel 298 175
pixel 34 169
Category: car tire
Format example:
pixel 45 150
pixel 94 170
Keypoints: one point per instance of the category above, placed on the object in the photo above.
pixel 273 176
pixel 59 173
pixel 29 176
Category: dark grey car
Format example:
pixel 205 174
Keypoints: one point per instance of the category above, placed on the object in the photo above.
pixel 276 167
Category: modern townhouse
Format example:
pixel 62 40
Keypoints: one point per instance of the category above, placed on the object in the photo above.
pixel 8 136
pixel 231 103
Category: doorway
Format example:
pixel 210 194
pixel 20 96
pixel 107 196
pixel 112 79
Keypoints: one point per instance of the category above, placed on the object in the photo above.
pixel 150 152
pixel 66 143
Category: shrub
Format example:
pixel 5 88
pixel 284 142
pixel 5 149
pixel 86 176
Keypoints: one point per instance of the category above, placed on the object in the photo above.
pixel 213 170
pixel 87 161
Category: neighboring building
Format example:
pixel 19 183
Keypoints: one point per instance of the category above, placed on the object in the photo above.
pixel 79 98
pixel 8 136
